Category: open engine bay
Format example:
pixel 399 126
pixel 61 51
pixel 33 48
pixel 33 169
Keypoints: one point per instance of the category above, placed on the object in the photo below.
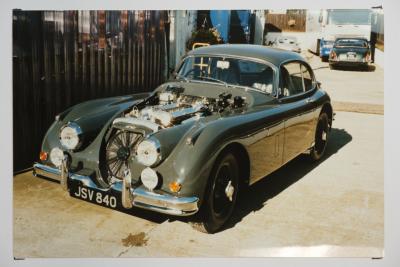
pixel 173 106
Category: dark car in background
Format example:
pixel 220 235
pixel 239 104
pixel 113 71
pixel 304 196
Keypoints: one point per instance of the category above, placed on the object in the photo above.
pixel 350 52
pixel 234 114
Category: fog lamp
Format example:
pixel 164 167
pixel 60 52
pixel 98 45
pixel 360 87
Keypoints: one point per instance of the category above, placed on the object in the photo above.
pixel 149 178
pixel 56 156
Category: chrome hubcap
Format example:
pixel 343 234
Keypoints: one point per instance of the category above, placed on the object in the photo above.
pixel 229 190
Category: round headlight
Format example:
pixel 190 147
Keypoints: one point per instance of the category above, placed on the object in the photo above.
pixel 70 136
pixel 56 156
pixel 148 152
pixel 149 178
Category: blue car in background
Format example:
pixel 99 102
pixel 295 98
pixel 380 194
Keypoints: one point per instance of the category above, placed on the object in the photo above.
pixel 325 47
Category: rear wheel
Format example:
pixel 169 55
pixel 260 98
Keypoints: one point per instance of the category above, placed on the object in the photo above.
pixel 321 137
pixel 221 195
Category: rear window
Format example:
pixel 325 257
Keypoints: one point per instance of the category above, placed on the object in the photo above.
pixel 351 43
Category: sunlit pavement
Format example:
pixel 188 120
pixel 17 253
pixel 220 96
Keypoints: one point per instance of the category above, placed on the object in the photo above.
pixel 334 208
pixel 353 85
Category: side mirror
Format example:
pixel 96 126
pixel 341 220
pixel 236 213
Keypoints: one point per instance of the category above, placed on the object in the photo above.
pixel 319 84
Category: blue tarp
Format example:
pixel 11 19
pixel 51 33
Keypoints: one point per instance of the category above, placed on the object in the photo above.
pixel 244 17
pixel 220 20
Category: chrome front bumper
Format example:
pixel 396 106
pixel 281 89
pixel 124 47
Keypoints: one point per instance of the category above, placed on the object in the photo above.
pixel 138 197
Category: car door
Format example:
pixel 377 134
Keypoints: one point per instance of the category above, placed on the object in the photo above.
pixel 296 94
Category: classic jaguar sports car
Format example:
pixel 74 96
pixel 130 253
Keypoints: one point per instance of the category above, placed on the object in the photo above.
pixel 232 115
pixel 350 51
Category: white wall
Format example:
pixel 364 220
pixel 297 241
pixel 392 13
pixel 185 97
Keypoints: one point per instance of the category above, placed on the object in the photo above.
pixel 183 22
pixel 305 39
pixel 259 27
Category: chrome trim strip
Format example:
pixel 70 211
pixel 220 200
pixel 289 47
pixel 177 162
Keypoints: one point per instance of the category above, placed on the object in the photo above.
pixel 140 197
pixel 253 59
pixel 164 203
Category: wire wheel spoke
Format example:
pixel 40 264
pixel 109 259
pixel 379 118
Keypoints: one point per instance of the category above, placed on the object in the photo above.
pixel 112 160
pixel 119 148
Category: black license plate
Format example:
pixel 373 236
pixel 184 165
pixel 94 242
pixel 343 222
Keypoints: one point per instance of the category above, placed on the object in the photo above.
pixel 110 199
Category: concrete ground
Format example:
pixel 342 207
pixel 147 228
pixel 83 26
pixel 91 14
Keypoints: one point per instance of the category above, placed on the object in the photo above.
pixel 334 208
pixel 350 85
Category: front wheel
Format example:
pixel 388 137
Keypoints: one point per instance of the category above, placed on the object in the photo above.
pixel 321 137
pixel 221 195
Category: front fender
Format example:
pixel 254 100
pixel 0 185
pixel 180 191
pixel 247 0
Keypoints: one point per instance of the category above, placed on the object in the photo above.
pixel 93 117
pixel 192 160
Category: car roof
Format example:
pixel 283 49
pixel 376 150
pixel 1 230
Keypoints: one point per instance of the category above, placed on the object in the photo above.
pixel 273 55
pixel 341 37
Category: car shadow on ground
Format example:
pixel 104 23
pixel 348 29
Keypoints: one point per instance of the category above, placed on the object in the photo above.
pixel 255 197
pixel 148 215
pixel 369 68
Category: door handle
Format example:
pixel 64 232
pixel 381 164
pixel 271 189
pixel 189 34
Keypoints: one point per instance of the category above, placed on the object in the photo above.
pixel 310 100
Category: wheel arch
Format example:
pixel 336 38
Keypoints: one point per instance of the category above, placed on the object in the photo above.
pixel 242 156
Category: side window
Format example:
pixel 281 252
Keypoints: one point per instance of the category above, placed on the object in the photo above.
pixel 256 75
pixel 295 79
pixel 291 82
pixel 307 77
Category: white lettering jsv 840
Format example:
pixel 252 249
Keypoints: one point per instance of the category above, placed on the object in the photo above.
pixel 88 194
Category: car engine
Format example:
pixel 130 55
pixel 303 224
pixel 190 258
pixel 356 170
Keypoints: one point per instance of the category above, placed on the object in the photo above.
pixel 173 109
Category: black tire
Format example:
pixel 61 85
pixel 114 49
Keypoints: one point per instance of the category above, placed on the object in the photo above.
pixel 217 207
pixel 321 137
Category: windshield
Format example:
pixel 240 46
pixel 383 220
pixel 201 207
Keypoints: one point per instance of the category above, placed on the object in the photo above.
pixel 228 71
pixel 349 16
pixel 351 43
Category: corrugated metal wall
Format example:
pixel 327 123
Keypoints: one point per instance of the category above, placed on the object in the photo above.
pixel 61 58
